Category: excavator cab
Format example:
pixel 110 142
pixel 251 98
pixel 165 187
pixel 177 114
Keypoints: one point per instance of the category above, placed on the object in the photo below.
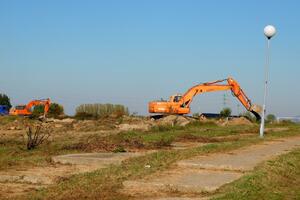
pixel 18 110
pixel 20 107
pixel 176 98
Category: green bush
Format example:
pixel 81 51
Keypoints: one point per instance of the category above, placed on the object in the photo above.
pixel 271 118
pixel 38 110
pixel 84 115
pixel 55 110
pixel 100 110
pixel 4 100
pixel 226 112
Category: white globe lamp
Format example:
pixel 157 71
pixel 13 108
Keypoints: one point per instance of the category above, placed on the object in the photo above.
pixel 269 31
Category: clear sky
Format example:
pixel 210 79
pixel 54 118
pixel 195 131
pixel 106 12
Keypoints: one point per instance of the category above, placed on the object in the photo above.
pixel 131 52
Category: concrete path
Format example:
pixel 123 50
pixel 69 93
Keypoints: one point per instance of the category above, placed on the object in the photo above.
pixel 104 159
pixel 95 159
pixel 208 173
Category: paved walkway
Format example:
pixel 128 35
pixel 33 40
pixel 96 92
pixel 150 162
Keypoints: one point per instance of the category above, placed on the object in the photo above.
pixel 208 173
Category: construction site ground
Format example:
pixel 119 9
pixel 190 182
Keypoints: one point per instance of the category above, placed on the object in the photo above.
pixel 205 174
pixel 135 157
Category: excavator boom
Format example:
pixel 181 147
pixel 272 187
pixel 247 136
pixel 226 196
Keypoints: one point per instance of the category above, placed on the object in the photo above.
pixel 181 104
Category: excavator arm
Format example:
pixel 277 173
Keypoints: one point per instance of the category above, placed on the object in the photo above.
pixel 45 102
pixel 187 98
pixel 183 105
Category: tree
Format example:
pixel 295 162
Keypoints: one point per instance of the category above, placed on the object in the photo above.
pixel 4 100
pixel 271 118
pixel 226 112
pixel 55 110
pixel 98 110
pixel 38 110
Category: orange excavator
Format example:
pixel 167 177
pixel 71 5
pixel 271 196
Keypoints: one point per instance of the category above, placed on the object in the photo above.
pixel 26 110
pixel 180 104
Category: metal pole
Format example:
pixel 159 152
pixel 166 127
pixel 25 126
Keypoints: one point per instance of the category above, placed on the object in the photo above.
pixel 262 124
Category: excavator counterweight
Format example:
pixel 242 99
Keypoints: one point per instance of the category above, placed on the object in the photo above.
pixel 180 104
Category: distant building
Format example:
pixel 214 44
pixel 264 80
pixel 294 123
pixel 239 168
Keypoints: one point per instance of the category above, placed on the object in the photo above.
pixel 214 115
pixel 293 119
pixel 210 115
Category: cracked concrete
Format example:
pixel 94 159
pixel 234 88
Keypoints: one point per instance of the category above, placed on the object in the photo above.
pixel 208 173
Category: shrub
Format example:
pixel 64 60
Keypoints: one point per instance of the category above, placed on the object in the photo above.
pixel 38 110
pixel 226 112
pixel 100 110
pixel 271 118
pixel 287 122
pixel 83 115
pixel 36 136
pixel 55 110
pixel 4 100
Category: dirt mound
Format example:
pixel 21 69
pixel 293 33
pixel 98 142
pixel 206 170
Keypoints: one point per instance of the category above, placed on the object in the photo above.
pixel 129 127
pixel 236 121
pixel 174 120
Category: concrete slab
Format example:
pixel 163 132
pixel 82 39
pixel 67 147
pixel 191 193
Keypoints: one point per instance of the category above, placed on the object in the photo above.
pixel 243 159
pixel 186 145
pixel 99 159
pixel 208 173
pixel 183 180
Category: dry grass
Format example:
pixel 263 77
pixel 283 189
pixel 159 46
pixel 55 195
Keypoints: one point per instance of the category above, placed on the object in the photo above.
pixel 106 183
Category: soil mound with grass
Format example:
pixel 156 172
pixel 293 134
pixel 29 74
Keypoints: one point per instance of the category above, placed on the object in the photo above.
pixel 238 121
pixel 173 120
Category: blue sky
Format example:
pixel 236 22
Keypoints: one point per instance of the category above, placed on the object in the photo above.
pixel 131 52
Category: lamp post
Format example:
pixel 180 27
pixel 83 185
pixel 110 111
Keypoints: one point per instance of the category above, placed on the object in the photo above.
pixel 269 32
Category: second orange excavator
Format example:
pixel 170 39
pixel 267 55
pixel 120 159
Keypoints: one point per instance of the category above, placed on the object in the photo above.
pixel 26 110
pixel 180 104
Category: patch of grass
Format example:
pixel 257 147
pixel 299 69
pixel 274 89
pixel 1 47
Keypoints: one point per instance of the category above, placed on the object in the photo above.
pixel 101 184
pixel 7 119
pixel 119 149
pixel 13 153
pixel 106 183
pixel 274 179
pixel 163 128
pixel 162 136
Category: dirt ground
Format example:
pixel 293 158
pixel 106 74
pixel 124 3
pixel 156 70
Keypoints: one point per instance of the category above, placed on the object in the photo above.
pixel 16 181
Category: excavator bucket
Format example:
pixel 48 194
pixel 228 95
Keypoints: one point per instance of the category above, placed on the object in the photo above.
pixel 256 110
